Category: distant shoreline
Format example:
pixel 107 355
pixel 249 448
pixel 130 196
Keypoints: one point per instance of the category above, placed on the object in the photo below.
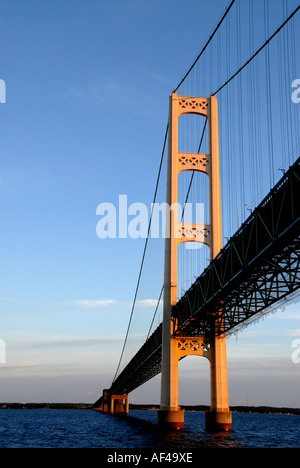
pixel 134 407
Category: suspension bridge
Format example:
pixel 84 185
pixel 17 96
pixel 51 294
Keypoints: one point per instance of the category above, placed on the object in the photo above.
pixel 232 140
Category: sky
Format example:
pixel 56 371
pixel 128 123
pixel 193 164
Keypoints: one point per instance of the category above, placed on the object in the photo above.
pixel 87 89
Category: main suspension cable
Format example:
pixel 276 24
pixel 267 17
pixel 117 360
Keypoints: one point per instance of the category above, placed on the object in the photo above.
pixel 206 45
pixel 258 51
pixel 145 248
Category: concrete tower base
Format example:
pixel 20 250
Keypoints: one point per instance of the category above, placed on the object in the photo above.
pixel 218 421
pixel 169 420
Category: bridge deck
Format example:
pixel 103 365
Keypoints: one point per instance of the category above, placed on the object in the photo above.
pixel 258 267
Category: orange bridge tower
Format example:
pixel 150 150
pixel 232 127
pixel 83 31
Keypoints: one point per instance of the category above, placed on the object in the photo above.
pixel 175 347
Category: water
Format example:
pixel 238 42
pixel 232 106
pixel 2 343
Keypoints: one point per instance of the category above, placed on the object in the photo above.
pixel 89 429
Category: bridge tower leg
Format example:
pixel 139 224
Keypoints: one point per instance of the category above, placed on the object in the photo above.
pixel 170 415
pixel 106 401
pixel 117 404
pixel 219 416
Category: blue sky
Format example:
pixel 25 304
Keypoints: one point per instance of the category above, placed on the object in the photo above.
pixel 87 88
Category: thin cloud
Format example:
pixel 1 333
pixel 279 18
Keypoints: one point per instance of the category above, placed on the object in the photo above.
pixel 93 303
pixel 108 92
pixel 96 303
pixel 55 343
pixel 154 76
pixel 289 316
pixel 105 92
pixel 295 332
pixel 88 93
pixel 148 302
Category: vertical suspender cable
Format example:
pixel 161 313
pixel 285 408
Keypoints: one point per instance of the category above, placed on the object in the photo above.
pixel 269 96
pixel 207 43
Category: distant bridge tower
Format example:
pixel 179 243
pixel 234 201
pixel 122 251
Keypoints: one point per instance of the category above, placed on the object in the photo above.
pixel 175 347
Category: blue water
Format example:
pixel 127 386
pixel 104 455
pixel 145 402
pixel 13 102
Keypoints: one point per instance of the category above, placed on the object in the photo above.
pixel 89 429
